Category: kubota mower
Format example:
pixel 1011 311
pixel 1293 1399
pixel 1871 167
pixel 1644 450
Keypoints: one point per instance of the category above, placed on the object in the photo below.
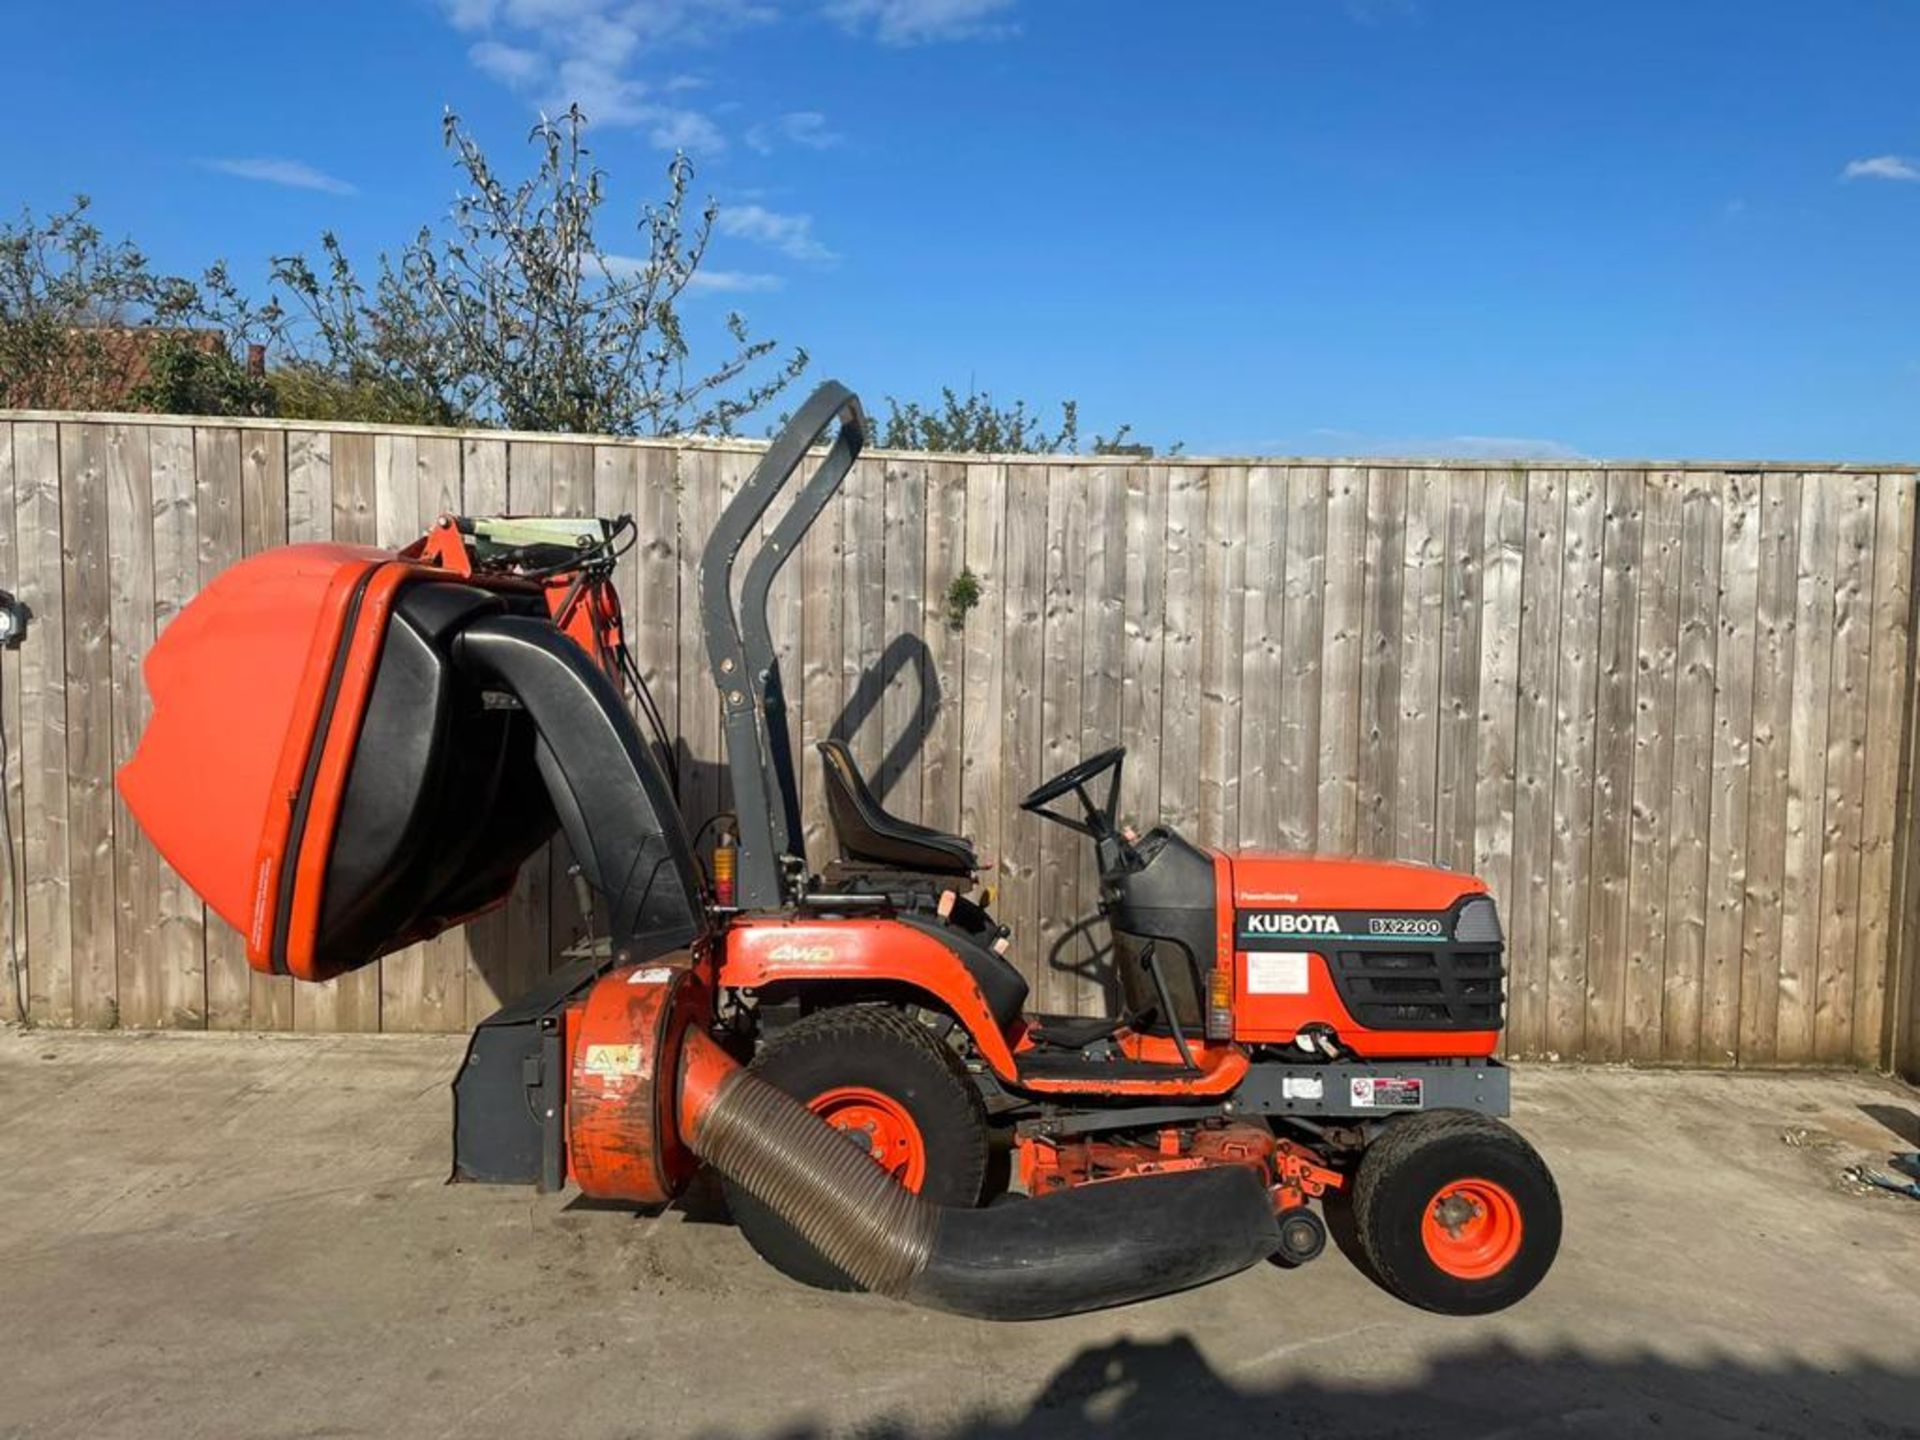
pixel 352 749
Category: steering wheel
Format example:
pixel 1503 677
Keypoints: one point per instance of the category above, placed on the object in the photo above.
pixel 1100 820
pixel 1073 777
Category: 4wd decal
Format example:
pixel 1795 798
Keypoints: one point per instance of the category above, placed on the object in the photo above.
pixel 790 953
pixel 1283 929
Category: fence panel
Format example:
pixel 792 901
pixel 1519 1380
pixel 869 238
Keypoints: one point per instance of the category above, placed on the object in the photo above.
pixel 1666 711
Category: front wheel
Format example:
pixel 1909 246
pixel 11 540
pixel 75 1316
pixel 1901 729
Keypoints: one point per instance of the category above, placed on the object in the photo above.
pixel 887 1083
pixel 1456 1212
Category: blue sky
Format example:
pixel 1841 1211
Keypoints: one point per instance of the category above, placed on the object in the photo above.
pixel 1644 228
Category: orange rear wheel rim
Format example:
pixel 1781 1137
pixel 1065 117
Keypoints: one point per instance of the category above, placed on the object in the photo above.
pixel 1472 1228
pixel 883 1124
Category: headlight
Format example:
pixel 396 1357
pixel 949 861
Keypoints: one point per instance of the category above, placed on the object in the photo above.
pixel 1479 923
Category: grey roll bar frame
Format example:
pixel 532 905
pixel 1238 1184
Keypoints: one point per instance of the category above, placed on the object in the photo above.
pixel 740 653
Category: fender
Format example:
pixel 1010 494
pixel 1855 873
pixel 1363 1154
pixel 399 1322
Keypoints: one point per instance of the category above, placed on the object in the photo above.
pixel 762 952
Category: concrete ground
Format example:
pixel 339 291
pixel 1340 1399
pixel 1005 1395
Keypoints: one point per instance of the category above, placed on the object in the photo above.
pixel 249 1237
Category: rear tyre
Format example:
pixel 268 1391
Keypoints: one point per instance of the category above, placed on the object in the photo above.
pixel 886 1081
pixel 1456 1212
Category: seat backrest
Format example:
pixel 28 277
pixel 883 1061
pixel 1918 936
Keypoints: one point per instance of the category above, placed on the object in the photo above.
pixel 867 832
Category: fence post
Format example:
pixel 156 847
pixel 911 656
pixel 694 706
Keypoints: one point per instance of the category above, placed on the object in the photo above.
pixel 1903 951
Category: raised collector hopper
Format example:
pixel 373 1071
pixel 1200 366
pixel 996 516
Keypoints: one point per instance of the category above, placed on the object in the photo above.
pixel 333 762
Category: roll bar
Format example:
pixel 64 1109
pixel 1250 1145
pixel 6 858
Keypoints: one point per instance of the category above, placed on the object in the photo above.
pixel 753 706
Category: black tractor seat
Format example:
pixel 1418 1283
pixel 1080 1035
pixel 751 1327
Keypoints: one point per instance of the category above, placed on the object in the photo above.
pixel 870 836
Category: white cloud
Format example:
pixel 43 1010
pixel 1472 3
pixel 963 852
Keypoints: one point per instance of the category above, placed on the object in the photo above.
pixel 624 267
pixel 806 128
pixel 509 64
pixel 606 96
pixel 791 235
pixel 1500 447
pixel 610 40
pixel 734 282
pixel 1444 447
pixel 658 22
pixel 548 12
pixel 917 22
pixel 296 174
pixel 809 128
pixel 470 14
pixel 1881 167
pixel 686 130
pixel 684 22
pixel 582 52
pixel 714 282
pixel 564 52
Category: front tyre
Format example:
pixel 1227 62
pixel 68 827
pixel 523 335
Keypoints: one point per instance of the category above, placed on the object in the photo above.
pixel 885 1081
pixel 1456 1212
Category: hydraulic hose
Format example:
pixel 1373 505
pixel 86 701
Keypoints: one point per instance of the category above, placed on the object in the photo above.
pixel 1080 1249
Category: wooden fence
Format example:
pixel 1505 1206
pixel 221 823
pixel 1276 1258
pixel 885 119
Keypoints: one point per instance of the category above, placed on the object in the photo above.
pixel 1667 711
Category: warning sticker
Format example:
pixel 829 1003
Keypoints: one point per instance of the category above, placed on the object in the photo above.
pixel 1277 972
pixel 651 975
pixel 1386 1092
pixel 613 1060
pixel 1302 1087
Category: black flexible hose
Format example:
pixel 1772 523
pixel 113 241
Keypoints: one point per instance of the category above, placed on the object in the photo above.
pixel 1079 1249
pixel 823 1184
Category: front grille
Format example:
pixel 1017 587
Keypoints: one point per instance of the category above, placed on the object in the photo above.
pixel 1435 988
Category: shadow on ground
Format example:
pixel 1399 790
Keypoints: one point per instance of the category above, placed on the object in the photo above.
pixel 1901 1120
pixel 1167 1388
